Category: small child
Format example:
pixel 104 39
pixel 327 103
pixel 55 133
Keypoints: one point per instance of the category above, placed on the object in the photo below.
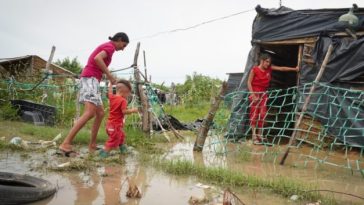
pixel 115 123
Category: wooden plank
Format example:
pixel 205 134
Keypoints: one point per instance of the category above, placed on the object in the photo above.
pixel 305 104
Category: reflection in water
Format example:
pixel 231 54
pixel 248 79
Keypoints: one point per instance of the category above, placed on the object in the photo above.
pixel 324 176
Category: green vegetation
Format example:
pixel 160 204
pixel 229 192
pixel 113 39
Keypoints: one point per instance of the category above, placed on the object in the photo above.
pixel 72 65
pixel 31 132
pixel 197 89
pixel 7 111
pixel 186 113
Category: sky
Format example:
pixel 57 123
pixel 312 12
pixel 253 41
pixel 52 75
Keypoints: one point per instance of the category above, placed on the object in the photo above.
pixel 77 27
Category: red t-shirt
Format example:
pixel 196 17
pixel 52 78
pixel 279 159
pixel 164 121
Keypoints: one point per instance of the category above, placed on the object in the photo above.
pixel 117 103
pixel 261 80
pixel 91 69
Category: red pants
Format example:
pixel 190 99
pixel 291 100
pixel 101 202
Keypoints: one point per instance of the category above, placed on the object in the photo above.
pixel 116 135
pixel 258 110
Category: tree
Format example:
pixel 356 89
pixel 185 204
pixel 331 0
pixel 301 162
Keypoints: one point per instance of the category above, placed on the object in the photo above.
pixel 198 88
pixel 72 65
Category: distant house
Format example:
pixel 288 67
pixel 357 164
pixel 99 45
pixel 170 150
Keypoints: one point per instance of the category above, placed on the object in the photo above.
pixel 30 68
pixel 234 81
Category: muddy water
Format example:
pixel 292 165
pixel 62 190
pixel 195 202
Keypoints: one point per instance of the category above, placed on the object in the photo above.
pixel 323 176
pixel 108 185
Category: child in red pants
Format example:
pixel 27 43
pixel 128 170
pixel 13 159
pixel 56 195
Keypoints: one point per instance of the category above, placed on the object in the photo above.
pixel 258 83
pixel 115 123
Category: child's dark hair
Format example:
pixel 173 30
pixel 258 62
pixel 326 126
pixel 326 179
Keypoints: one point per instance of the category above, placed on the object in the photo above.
pixel 126 83
pixel 121 36
pixel 265 56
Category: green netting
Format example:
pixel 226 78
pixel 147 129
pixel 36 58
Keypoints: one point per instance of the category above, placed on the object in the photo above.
pixel 330 132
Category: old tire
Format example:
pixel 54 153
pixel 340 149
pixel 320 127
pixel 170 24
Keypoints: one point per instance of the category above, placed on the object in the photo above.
pixel 22 189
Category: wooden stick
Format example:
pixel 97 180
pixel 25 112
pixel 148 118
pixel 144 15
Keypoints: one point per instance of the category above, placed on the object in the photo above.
pixel 307 100
pixel 140 93
pixel 299 63
pixel 145 67
pixel 204 129
pixel 48 65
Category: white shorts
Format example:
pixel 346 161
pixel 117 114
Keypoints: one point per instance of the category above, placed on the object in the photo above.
pixel 90 91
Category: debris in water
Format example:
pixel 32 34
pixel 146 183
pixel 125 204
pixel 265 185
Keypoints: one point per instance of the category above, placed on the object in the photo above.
pixel 194 200
pixel 66 164
pixel 101 171
pixel 16 140
pixel 58 137
pixel 133 191
pixel 202 186
pixel 294 197
pixel 46 144
pixel 316 203
pixel 230 198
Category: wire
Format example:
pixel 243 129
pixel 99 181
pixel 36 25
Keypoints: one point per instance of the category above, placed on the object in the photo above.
pixel 193 26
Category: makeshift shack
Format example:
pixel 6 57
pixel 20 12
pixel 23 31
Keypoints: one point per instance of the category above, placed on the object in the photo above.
pixel 30 68
pixel 234 81
pixel 302 37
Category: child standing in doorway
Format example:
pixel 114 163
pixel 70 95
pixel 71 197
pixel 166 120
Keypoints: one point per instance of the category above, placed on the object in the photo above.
pixel 118 109
pixel 258 83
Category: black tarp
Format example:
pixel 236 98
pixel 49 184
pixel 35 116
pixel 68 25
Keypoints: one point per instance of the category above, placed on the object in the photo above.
pixel 345 65
pixel 285 23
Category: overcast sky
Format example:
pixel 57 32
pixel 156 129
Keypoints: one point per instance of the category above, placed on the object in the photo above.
pixel 76 27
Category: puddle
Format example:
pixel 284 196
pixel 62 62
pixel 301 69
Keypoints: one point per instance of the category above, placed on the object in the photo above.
pixel 325 177
pixel 107 184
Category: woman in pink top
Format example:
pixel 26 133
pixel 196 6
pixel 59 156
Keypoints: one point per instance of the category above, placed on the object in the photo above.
pixel 90 95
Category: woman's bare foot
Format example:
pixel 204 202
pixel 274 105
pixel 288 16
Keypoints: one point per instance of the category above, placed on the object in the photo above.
pixel 92 148
pixel 65 147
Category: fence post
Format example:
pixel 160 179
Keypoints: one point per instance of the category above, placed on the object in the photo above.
pixel 141 95
pixel 204 129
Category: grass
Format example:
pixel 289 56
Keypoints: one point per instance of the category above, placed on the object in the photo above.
pixel 188 113
pixel 279 185
pixel 29 131
pixel 244 153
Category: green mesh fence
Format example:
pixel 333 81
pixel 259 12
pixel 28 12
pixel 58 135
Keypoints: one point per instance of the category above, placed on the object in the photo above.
pixel 331 132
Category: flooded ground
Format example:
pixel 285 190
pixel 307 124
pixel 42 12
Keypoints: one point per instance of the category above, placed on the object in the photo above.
pixel 325 177
pixel 107 184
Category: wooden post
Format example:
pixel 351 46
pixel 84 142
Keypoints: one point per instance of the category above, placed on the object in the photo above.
pixel 204 129
pixel 141 95
pixel 46 70
pixel 49 62
pixel 150 116
pixel 305 104
pixel 145 67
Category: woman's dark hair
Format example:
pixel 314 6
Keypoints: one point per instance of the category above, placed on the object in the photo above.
pixel 265 56
pixel 121 36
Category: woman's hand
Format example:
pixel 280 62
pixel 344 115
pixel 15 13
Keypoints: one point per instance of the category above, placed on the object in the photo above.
pixel 254 97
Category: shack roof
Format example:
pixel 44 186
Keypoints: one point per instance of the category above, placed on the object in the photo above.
pixel 56 68
pixel 285 23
